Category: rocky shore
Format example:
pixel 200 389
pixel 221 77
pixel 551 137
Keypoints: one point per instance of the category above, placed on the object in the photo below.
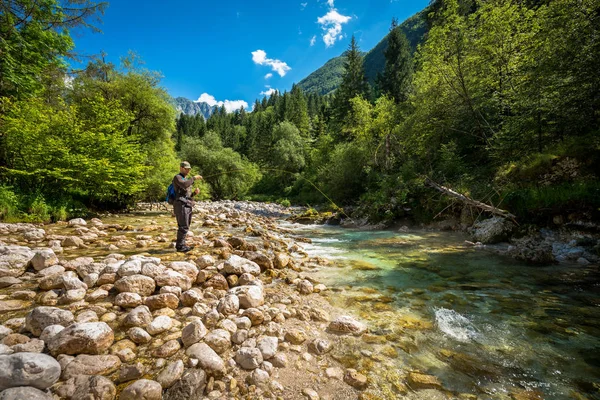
pixel 97 310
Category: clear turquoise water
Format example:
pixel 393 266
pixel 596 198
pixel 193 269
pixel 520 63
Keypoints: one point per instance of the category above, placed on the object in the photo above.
pixel 487 325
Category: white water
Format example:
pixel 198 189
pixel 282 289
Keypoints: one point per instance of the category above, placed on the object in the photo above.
pixel 455 325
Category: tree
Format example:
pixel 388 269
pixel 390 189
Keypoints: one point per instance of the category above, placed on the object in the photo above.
pixel 288 150
pixel 354 82
pixel 397 74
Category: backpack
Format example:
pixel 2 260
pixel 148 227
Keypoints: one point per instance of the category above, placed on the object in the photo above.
pixel 170 194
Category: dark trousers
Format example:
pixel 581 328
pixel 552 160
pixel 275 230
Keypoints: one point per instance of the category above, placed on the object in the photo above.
pixel 183 214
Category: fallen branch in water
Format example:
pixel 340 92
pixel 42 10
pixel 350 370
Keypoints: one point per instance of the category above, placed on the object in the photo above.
pixel 470 201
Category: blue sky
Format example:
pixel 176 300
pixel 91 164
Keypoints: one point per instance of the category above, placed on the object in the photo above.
pixel 235 50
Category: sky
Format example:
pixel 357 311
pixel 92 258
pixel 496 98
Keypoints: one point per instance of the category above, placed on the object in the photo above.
pixel 233 52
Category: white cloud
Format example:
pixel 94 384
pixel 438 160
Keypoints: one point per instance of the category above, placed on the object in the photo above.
pixel 269 91
pixel 303 6
pixel 330 2
pixel 332 23
pixel 230 105
pixel 260 57
pixel 313 40
pixel 268 76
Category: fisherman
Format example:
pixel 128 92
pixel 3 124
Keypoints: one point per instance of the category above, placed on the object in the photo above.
pixel 183 204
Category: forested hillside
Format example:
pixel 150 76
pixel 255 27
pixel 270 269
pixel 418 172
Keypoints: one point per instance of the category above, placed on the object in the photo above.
pixel 327 78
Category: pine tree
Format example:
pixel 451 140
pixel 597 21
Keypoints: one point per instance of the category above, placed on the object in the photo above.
pixel 397 75
pixel 354 82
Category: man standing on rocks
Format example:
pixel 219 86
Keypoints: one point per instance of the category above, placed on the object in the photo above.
pixel 183 203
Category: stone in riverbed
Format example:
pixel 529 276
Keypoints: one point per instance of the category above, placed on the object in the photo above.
pixel 85 364
pixel 168 349
pixel 139 335
pixel 41 317
pixel 320 346
pixel 250 296
pixel 87 337
pixel 207 358
pixel 189 387
pixel 229 304
pixel 24 393
pixel 28 369
pixel 144 389
pixel 295 336
pixel 219 340
pixel 174 278
pixel 159 325
pixel 267 346
pixel 162 300
pixel 347 325
pixel 128 300
pixel 140 284
pixel 248 358
pixel 217 281
pixel 355 379
pixel 139 316
pixel 14 260
pixel 90 387
pixel 238 265
pixel 170 374
pixel 193 333
pixel 186 268
pixel 417 380
pixel 43 259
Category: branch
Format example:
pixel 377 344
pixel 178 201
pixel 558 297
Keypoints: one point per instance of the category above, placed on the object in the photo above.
pixel 470 201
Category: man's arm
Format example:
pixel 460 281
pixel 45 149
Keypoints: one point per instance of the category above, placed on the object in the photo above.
pixel 183 183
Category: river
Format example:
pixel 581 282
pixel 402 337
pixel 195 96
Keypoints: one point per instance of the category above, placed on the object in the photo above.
pixel 482 323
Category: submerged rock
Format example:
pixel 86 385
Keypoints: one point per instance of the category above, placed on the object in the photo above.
pixel 28 369
pixel 492 230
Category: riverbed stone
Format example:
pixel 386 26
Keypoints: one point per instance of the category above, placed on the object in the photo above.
pixel 238 265
pixel 91 387
pixel 189 387
pixel 159 325
pixel 267 346
pixel 347 325
pixel 43 259
pixel 162 300
pixel 219 340
pixel 28 369
pixel 128 300
pixel 174 278
pixel 355 379
pixel 85 364
pixel 140 284
pixel 139 335
pixel 492 230
pixel 417 380
pixel 24 393
pixel 41 317
pixel 186 268
pixel 139 316
pixel 143 389
pixel 168 349
pixel 248 358
pixel 250 296
pixel 194 332
pixel 217 281
pixel 229 304
pixel 87 337
pixel 14 260
pixel 172 372
pixel 207 358
pixel 205 261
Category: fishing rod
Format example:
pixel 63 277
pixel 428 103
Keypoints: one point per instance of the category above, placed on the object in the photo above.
pixel 336 207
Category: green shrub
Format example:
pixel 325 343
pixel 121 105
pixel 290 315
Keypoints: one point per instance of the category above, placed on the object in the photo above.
pixel 9 203
pixel 38 210
pixel 284 202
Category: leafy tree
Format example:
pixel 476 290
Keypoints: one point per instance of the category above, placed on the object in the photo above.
pixel 288 151
pixel 228 174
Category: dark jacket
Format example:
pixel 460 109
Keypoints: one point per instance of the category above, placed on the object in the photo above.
pixel 183 188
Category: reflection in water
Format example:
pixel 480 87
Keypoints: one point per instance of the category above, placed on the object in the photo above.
pixel 482 323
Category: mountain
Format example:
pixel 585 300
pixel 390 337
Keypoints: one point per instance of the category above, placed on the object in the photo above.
pixel 189 107
pixel 327 78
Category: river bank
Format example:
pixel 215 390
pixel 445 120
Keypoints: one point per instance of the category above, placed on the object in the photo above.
pixel 108 309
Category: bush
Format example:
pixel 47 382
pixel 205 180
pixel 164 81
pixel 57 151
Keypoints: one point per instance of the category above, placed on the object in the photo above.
pixel 39 211
pixel 284 202
pixel 9 203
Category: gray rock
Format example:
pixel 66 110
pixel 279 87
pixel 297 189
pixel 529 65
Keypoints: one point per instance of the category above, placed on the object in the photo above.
pixel 139 335
pixel 28 369
pixel 207 358
pixel 128 300
pixel 139 316
pixel 43 259
pixel 186 268
pixel 250 296
pixel 238 265
pixel 41 317
pixel 347 325
pixel 492 230
pixel 189 387
pixel 14 260
pixel 85 364
pixel 219 340
pixel 229 304
pixel 129 372
pixel 170 374
pixel 174 278
pixel 32 346
pixel 87 337
pixel 24 393
pixel 267 346
pixel 248 358
pixel 131 267
pixel 320 346
pixel 193 333
pixel 144 389
pixel 159 325
pixel 91 387
pixel 140 284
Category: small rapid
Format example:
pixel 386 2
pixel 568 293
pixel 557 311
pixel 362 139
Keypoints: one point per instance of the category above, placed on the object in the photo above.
pixel 455 325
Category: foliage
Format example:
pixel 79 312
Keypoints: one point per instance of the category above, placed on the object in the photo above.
pixel 228 174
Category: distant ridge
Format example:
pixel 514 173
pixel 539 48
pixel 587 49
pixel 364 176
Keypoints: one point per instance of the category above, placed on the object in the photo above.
pixel 190 107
